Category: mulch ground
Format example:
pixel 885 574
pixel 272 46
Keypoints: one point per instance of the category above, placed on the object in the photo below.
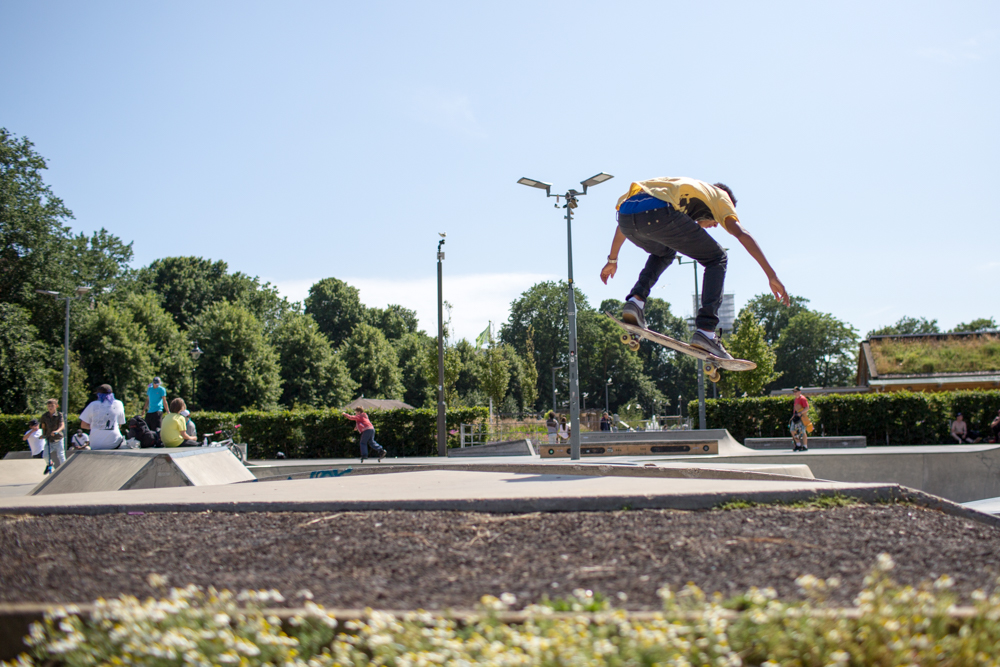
pixel 439 560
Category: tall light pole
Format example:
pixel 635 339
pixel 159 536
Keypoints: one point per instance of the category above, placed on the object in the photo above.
pixel 574 376
pixel 606 385
pixel 442 434
pixel 555 406
pixel 701 364
pixel 80 292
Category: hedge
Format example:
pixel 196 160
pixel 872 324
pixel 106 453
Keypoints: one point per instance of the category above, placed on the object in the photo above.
pixel 301 434
pixel 896 418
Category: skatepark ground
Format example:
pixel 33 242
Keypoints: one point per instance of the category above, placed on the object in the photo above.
pixel 440 533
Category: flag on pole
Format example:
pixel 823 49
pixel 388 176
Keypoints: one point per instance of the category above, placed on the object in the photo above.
pixel 484 338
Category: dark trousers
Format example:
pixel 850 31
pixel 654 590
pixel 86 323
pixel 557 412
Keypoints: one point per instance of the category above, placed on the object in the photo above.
pixel 368 440
pixel 153 420
pixel 663 233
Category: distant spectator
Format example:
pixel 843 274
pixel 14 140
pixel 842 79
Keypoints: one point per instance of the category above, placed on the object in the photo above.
pixel 995 428
pixel 103 418
pixel 800 421
pixel 605 422
pixel 174 431
pixel 552 426
pixel 53 429
pixel 364 426
pixel 79 441
pixel 156 404
pixel 34 438
pixel 564 430
pixel 960 430
pixel 189 425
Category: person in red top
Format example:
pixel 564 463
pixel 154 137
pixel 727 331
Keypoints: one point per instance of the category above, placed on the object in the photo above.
pixel 367 431
pixel 800 417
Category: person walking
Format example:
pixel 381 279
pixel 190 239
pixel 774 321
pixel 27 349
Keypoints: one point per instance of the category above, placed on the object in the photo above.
pixel 364 426
pixel 667 216
pixel 605 422
pixel 53 429
pixel 799 425
pixel 103 418
pixel 156 404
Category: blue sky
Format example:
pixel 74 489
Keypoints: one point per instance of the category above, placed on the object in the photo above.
pixel 303 140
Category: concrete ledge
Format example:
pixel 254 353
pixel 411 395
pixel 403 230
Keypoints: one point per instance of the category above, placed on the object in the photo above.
pixel 843 442
pixel 509 448
pixel 18 455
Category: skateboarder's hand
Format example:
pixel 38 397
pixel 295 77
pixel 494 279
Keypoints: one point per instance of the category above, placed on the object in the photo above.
pixel 778 289
pixel 608 271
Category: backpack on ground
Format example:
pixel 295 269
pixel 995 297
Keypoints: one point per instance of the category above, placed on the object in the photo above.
pixel 139 430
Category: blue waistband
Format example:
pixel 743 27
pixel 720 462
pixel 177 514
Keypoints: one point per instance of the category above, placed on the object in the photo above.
pixel 640 203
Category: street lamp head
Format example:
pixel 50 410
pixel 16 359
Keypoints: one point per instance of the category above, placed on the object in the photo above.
pixel 532 183
pixel 80 291
pixel 442 234
pixel 196 352
pixel 47 292
pixel 596 179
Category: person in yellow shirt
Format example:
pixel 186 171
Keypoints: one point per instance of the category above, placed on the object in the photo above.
pixel 667 216
pixel 173 429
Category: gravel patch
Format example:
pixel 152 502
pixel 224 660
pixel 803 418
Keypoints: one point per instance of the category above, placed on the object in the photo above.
pixel 440 560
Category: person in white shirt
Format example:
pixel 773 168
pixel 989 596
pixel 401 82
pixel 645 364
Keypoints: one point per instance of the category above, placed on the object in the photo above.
pixel 34 439
pixel 103 418
pixel 79 441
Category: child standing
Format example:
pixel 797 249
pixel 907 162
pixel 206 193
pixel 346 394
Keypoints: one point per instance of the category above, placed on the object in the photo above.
pixel 364 426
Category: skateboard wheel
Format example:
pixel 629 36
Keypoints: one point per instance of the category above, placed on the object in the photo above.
pixel 714 377
pixel 633 345
pixel 626 339
pixel 709 368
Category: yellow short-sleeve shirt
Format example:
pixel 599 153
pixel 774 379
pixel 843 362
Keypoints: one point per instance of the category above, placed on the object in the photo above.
pixel 171 428
pixel 695 198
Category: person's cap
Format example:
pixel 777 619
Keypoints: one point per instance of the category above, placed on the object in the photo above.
pixel 185 413
pixel 104 389
pixel 33 422
pixel 79 430
pixel 156 380
pixel 959 414
pixel 797 389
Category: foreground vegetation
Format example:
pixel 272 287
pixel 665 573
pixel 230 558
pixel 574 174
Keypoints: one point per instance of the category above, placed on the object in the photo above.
pixel 891 625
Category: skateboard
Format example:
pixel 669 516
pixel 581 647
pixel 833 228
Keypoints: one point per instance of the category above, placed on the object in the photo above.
pixel 713 364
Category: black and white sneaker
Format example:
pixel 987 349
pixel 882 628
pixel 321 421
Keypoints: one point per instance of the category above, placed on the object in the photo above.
pixel 711 345
pixel 632 314
pixel 381 455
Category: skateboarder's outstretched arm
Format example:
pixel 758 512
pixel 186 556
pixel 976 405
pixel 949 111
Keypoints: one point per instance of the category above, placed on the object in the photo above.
pixel 611 267
pixel 734 227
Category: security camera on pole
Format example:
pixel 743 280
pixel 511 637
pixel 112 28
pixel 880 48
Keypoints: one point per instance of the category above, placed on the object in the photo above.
pixel 574 377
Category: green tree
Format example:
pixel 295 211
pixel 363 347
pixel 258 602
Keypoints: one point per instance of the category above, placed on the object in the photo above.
pixel 336 307
pixel 773 315
pixel 495 373
pixel 529 373
pixel 239 369
pixel 981 324
pixel 312 374
pixel 187 286
pixel 542 308
pixel 170 353
pixel 907 325
pixel 22 372
pixel 818 350
pixel 748 342
pixel 115 349
pixel 394 321
pixel 412 350
pixel 373 363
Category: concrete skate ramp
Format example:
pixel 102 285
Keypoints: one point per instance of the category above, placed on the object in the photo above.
pixel 116 470
pixel 712 442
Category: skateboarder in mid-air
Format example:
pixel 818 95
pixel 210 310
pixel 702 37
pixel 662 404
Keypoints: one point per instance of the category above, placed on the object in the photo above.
pixel 666 216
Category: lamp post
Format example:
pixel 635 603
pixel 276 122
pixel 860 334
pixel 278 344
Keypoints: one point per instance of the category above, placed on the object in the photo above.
pixel 701 364
pixel 555 406
pixel 606 385
pixel 442 434
pixel 80 292
pixel 574 378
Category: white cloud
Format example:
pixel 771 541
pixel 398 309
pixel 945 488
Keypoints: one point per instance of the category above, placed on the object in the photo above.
pixel 450 111
pixel 475 299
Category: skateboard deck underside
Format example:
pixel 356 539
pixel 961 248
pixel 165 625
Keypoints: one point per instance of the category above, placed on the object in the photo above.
pixel 684 348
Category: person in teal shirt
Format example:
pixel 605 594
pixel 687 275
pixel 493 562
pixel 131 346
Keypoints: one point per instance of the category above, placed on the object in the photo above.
pixel 156 404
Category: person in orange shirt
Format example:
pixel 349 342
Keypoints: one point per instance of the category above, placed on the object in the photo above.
pixel 667 216
pixel 800 425
pixel 363 425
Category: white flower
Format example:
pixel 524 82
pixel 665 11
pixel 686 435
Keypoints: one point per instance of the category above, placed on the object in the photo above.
pixel 944 582
pixel 885 562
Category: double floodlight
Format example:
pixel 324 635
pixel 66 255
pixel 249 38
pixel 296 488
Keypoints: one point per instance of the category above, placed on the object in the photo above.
pixel 589 183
